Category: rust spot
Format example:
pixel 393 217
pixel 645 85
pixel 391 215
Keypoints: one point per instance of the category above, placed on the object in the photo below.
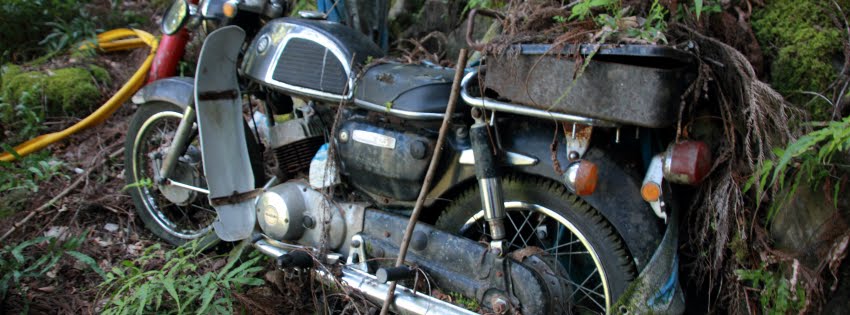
pixel 218 95
pixel 236 197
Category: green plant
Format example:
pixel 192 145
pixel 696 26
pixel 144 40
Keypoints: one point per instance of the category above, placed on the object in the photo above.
pixel 144 182
pixel 778 296
pixel 29 261
pixel 27 172
pixel 65 34
pixel 811 157
pixel 654 27
pixel 22 119
pixel 179 286
pixel 24 24
pixel 801 42
pixel 583 9
pixel 467 303
pixel 483 4
pixel 559 19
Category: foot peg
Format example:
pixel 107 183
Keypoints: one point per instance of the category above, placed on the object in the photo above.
pixel 394 274
pixel 294 259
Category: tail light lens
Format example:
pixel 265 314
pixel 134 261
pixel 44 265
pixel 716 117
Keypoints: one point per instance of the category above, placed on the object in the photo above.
pixel 687 162
pixel 581 177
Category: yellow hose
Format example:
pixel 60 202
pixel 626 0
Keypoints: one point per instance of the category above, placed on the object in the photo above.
pixel 114 40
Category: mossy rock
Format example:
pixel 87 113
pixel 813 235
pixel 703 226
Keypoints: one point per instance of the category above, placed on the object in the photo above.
pixel 802 41
pixel 69 91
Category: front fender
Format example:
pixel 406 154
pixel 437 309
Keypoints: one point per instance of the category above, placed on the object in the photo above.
pixel 179 91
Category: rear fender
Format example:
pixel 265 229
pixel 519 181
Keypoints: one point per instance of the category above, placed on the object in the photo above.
pixel 617 195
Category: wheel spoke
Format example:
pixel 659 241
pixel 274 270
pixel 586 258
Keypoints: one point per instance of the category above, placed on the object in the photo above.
pixel 559 246
pixel 203 208
pixel 589 297
pixel 520 228
pixel 567 244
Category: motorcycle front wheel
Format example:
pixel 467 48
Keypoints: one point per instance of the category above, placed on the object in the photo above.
pixel 546 220
pixel 172 212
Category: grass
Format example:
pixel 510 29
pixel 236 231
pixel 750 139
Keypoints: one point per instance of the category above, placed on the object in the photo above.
pixel 28 262
pixel 180 281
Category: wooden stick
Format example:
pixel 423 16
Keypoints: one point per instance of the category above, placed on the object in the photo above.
pixel 429 176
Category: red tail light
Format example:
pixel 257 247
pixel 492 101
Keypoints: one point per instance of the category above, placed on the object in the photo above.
pixel 687 162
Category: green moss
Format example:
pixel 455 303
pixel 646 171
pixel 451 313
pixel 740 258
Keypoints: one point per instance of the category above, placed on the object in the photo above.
pixel 739 248
pixel 800 40
pixel 26 97
pixel 70 91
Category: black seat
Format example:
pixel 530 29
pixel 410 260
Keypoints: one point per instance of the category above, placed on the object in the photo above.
pixel 406 87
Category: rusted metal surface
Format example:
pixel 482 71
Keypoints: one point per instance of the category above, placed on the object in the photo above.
pixel 578 140
pixel 218 95
pixel 236 198
pixel 642 91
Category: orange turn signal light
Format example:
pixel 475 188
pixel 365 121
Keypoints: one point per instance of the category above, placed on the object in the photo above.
pixel 229 8
pixel 581 177
pixel 650 192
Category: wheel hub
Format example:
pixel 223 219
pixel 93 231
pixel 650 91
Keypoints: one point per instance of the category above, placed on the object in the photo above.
pixel 184 172
pixel 553 274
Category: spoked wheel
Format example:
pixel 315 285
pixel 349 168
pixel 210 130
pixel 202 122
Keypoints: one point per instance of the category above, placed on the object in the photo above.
pixel 551 225
pixel 173 212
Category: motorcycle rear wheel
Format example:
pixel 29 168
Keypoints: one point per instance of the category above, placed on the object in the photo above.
pixel 175 214
pixel 543 214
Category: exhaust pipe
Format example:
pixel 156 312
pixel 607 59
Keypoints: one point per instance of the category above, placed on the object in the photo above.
pixel 406 301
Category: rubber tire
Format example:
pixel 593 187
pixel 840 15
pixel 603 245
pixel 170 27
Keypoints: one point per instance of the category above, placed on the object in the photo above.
pixel 144 112
pixel 619 267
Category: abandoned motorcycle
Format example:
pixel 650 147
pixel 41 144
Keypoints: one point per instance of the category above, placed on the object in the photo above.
pixel 503 223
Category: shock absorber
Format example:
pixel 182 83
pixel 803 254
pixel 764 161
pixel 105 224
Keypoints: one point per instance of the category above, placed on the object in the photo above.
pixel 489 182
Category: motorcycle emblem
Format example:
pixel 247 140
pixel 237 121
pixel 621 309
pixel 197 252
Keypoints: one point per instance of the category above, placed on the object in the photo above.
pixel 374 139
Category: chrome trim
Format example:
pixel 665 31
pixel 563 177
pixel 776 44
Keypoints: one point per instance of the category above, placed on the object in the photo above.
pixel 267 248
pixel 524 110
pixel 397 112
pixel 361 254
pixel 187 186
pixel 311 15
pixel 493 203
pixel 180 141
pixel 406 301
pixel 260 67
pixel 570 176
pixel 467 157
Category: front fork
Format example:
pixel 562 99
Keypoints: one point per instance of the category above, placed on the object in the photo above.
pixel 489 182
pixel 178 145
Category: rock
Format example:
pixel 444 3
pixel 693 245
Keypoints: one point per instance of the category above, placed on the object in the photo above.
pixel 111 227
pixel 807 226
pixel 70 91
pixel 58 232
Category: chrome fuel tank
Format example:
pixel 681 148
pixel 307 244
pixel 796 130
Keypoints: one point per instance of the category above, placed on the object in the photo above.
pixel 309 58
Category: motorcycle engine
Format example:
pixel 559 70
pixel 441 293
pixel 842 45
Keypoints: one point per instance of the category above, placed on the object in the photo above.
pixel 295 142
pixel 384 160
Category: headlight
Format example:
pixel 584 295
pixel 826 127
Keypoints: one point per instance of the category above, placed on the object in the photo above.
pixel 175 17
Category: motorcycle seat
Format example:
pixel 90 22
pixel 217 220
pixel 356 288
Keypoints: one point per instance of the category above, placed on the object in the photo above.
pixel 419 91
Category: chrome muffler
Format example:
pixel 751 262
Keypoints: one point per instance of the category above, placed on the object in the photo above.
pixel 406 301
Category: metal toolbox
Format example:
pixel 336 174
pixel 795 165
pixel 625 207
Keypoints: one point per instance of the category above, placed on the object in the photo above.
pixel 625 84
